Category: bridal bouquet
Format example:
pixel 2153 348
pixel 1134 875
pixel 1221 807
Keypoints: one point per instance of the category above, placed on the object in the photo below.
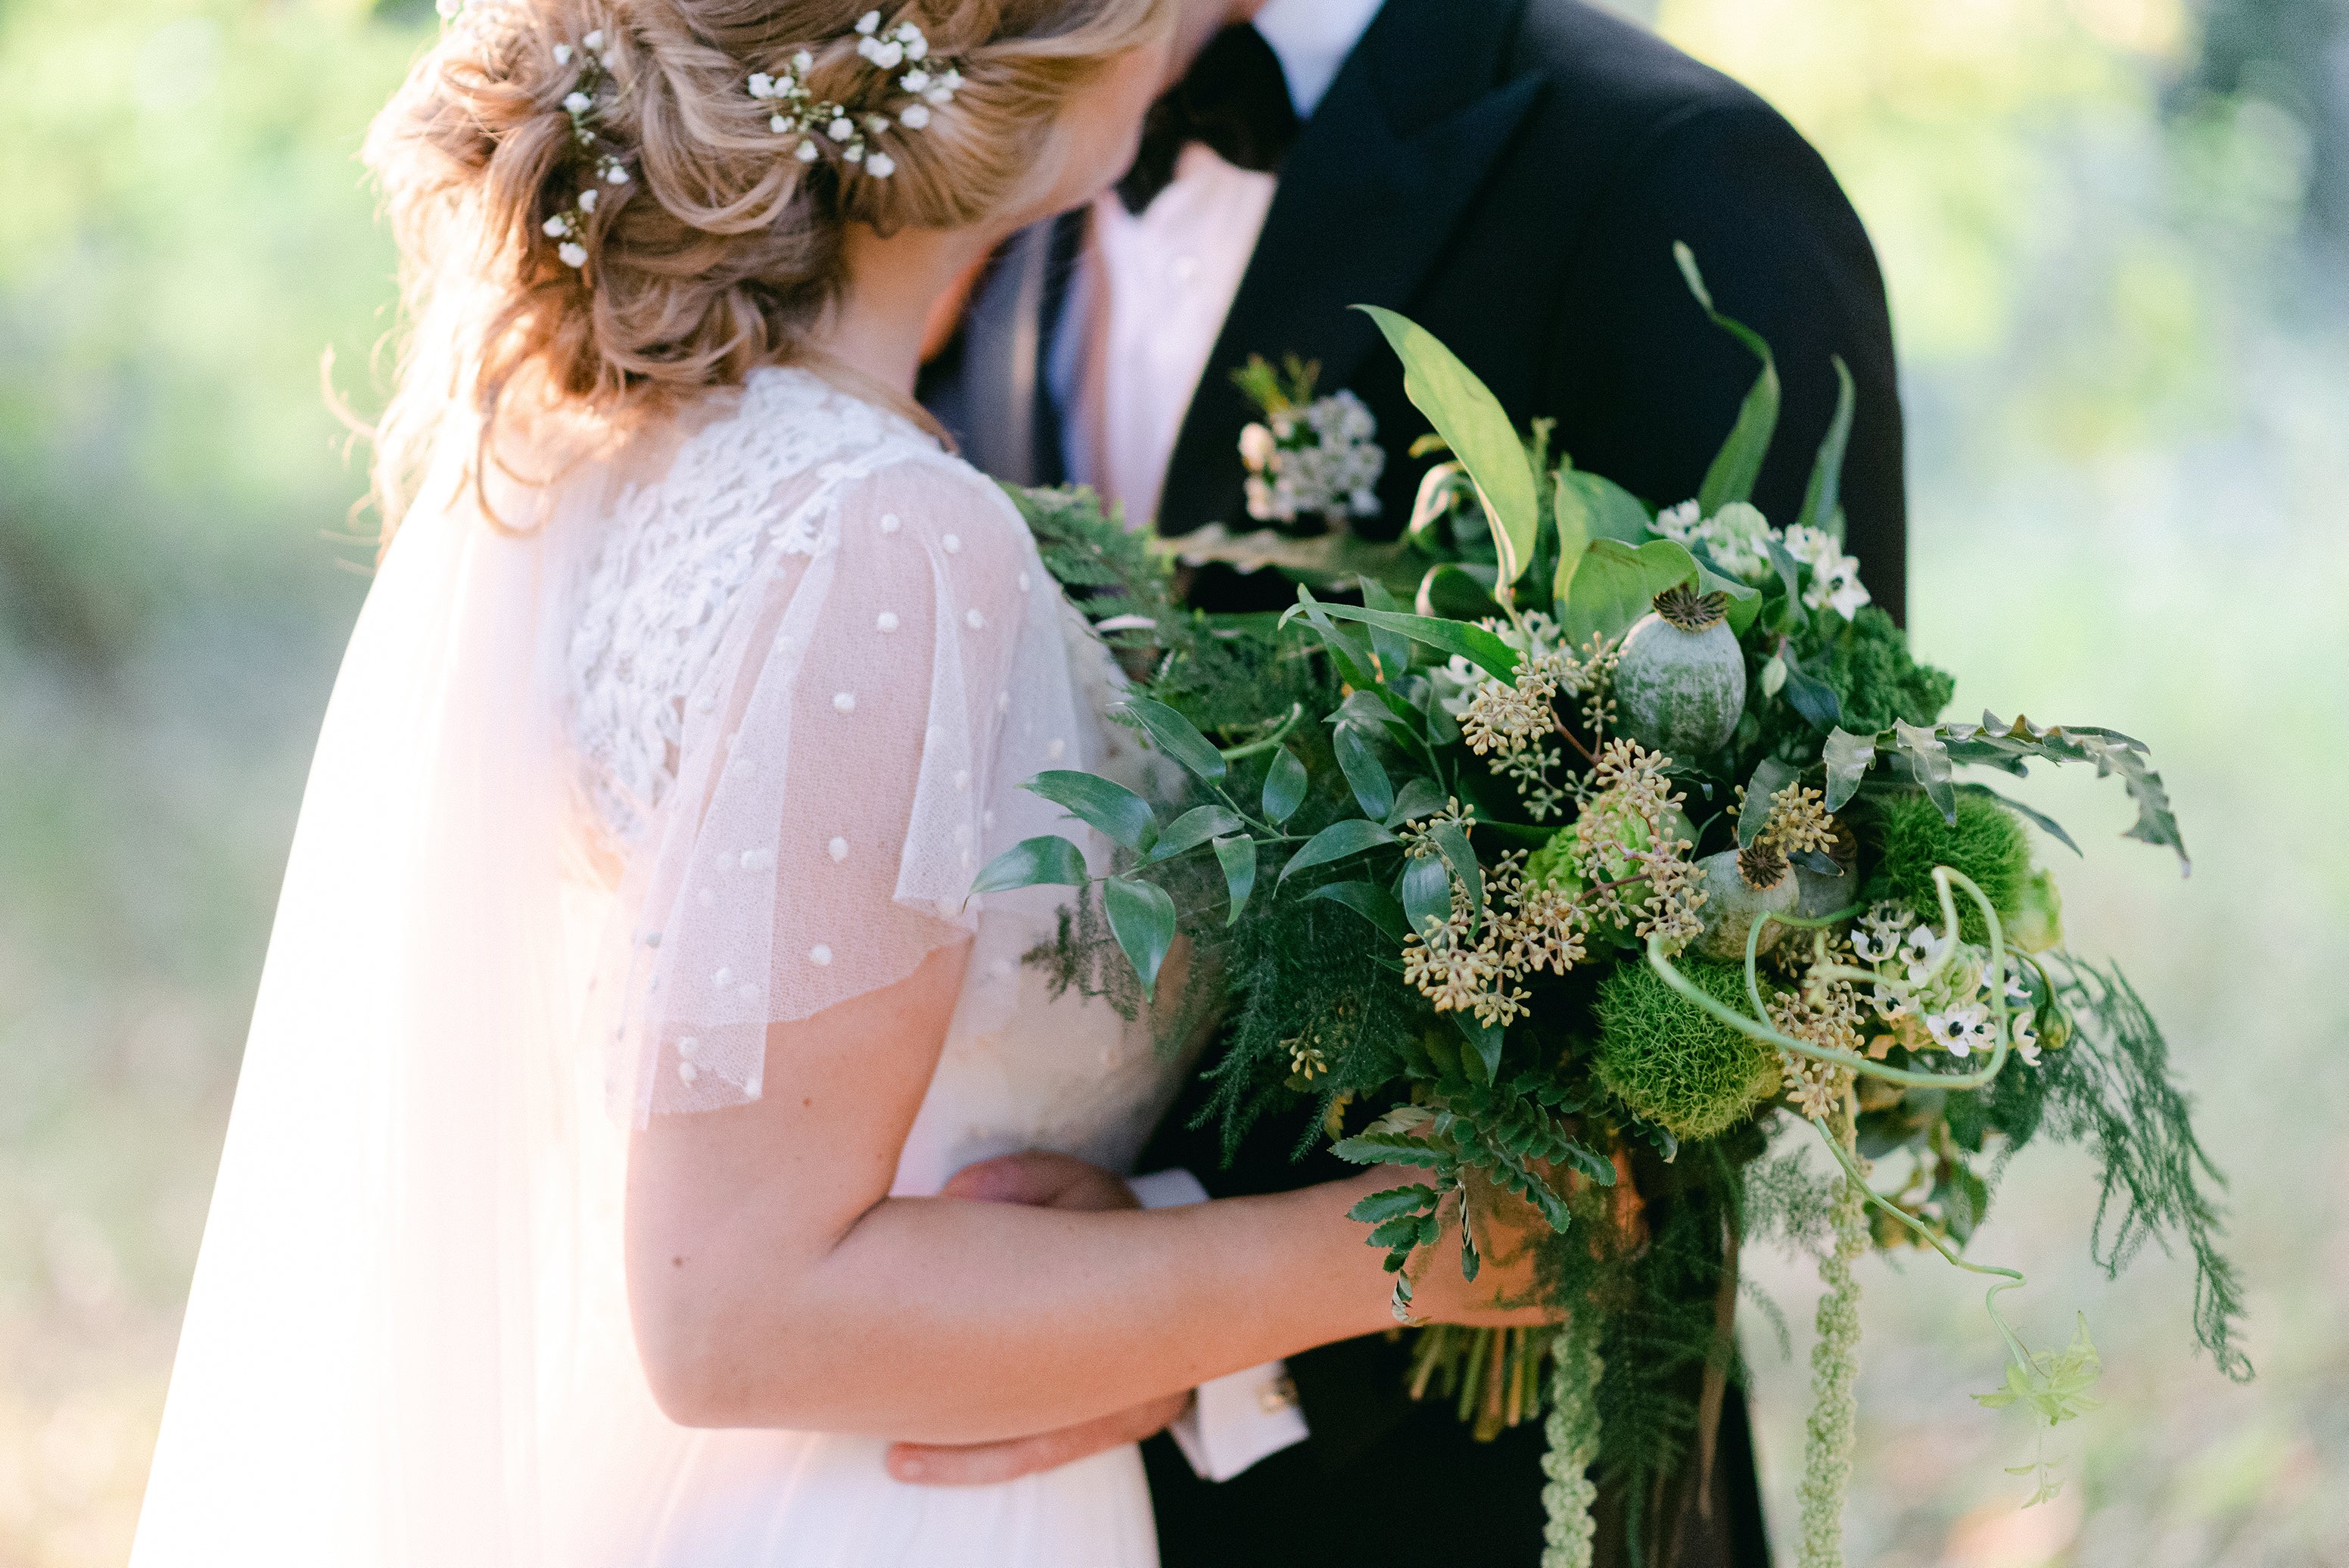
pixel 1589 858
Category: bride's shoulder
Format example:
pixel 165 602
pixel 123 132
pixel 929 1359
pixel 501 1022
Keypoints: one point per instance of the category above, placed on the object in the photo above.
pixel 789 450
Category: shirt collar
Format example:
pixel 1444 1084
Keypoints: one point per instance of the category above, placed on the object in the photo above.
pixel 1312 38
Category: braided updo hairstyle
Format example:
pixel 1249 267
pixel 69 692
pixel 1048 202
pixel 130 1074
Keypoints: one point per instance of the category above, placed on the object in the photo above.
pixel 710 245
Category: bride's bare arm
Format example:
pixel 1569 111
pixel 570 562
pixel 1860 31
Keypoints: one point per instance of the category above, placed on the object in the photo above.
pixel 776 1283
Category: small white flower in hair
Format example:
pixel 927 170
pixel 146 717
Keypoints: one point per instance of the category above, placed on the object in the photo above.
pixel 803 62
pixel 573 254
pixel 880 166
pixel 562 54
pixel 914 116
pixel 588 197
pixel 839 129
pixel 806 153
pixel 578 103
pixel 869 24
pixel 616 174
pixel 915 81
pixel 557 226
pixel 911 36
pixel 855 152
pixel 595 40
pixel 762 85
pixel 874 124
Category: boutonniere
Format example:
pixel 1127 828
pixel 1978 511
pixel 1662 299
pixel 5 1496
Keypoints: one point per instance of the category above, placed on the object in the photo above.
pixel 1310 457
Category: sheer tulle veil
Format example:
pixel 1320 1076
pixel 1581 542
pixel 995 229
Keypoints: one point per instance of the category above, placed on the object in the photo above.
pixel 409 1297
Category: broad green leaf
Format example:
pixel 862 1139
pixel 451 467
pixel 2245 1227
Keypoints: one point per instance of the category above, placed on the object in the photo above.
pixel 1457 591
pixel 1571 510
pixel 1739 463
pixel 1335 842
pixel 1452 839
pixel 1357 665
pixel 1477 645
pixel 1744 600
pixel 1929 763
pixel 1112 808
pixel 1370 901
pixel 1426 891
pixel 1236 855
pixel 1616 584
pixel 1485 1041
pixel 1392 648
pixel 1822 501
pixel 1849 757
pixel 1419 797
pixel 1284 786
pixel 1195 827
pixel 1177 737
pixel 1610 511
pixel 1812 697
pixel 1477 428
pixel 1032 862
pixel 1372 788
pixel 1392 1204
pixel 1441 488
pixel 1142 918
pixel 1770 776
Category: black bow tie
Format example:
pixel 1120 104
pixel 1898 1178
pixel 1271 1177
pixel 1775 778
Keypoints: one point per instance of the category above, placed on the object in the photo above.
pixel 1235 99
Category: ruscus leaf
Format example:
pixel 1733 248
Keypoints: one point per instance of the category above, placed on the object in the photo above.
pixel 1177 737
pixel 1109 806
pixel 1033 862
pixel 1142 918
pixel 1284 786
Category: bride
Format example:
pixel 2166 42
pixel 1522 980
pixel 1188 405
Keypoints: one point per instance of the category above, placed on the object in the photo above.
pixel 627 1015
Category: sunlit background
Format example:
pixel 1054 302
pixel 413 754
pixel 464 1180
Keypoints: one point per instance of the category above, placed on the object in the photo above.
pixel 2117 238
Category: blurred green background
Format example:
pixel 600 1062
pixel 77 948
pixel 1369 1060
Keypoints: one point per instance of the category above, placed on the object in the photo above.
pixel 2117 238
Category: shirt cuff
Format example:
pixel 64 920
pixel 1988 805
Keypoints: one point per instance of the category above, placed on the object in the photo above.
pixel 1243 1417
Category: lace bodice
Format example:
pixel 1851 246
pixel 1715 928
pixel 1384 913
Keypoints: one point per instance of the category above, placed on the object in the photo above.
pixel 810 663
pixel 679 551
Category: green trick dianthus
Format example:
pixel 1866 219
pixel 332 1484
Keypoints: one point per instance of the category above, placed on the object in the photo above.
pixel 1986 842
pixel 1877 680
pixel 1672 1062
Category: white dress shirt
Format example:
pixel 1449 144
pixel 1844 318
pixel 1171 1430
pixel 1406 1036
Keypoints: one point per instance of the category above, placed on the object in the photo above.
pixel 1144 308
pixel 1150 289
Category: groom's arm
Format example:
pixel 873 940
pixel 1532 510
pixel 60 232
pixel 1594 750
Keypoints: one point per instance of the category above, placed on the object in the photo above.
pixel 1650 387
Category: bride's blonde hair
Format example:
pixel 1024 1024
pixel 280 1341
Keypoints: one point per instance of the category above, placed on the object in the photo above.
pixel 709 247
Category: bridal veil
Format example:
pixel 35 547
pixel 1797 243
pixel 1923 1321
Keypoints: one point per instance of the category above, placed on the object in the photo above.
pixel 577 833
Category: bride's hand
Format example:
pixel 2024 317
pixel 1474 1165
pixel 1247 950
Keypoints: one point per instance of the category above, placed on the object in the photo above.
pixel 1504 1293
pixel 1051 1181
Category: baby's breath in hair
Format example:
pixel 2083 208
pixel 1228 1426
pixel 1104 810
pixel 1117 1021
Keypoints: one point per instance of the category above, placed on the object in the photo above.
pixel 810 123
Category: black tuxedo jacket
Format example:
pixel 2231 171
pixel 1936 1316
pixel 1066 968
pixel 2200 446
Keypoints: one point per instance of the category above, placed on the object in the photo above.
pixel 1512 174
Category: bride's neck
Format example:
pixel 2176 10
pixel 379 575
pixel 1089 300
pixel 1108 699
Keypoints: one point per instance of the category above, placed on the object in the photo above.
pixel 893 280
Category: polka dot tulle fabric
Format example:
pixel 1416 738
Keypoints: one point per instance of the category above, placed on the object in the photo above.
pixel 810 666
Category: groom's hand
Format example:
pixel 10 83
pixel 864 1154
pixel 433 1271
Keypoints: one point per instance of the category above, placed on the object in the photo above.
pixel 1051 1181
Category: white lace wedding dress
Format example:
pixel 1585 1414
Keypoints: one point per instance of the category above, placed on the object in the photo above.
pixel 717 741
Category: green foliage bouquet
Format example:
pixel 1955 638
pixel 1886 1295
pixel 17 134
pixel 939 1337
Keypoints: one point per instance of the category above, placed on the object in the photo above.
pixel 1638 837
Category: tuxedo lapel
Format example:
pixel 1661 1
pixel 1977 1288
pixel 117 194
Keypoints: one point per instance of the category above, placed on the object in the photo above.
pixel 1368 199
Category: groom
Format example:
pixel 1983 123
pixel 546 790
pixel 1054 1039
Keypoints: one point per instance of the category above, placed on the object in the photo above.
pixel 1512 174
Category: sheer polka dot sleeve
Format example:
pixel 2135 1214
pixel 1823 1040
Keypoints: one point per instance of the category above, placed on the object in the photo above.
pixel 897 666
